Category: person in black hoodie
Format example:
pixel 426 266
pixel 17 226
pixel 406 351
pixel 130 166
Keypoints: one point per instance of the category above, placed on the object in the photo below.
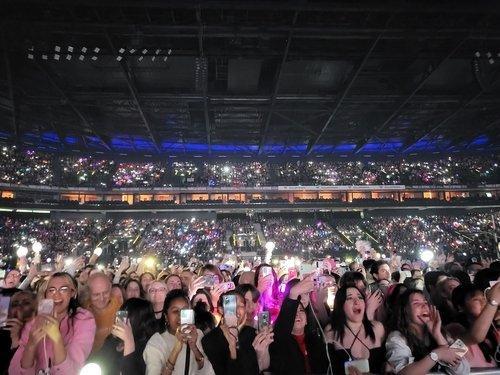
pixel 236 349
pixel 299 347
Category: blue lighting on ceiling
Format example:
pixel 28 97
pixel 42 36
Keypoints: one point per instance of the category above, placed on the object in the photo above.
pixel 50 137
pixel 480 141
pixel 144 144
pixel 429 145
pixel 382 146
pixel 70 140
pixel 121 144
pixel 296 148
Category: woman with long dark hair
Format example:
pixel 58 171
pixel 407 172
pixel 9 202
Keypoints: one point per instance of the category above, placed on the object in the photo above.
pixel 351 335
pixel 476 311
pixel 166 353
pixel 417 344
pixel 133 289
pixel 69 329
pixel 298 346
pixel 122 352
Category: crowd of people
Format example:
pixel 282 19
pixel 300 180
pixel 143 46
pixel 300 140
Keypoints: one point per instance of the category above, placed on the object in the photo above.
pixel 177 239
pixel 241 316
pixel 25 167
pixel 32 167
pixel 301 237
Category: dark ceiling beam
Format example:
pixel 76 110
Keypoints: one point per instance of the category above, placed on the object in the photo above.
pixel 388 6
pixel 296 123
pixel 279 73
pixel 459 109
pixel 124 29
pixel 10 87
pixel 204 78
pixel 86 123
pixel 127 72
pixel 417 88
pixel 345 92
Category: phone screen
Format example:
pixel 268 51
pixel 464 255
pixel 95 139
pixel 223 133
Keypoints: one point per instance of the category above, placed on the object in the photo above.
pixel 121 316
pixel 263 320
pixel 4 309
pixel 187 316
pixel 46 306
pixel 229 305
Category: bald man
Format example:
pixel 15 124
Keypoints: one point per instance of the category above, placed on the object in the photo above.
pixel 103 305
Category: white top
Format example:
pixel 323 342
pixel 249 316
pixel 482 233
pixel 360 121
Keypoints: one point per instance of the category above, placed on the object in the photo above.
pixel 399 355
pixel 158 350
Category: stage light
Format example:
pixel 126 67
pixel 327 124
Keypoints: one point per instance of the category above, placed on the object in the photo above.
pixel 70 49
pixel 57 49
pixel 119 58
pixel 157 52
pixel 144 51
pixel 68 57
pixel 121 50
pixel 140 58
pixel 22 251
pixel 94 58
pixel 132 50
pixel 150 262
pixel 97 49
pixel 81 57
pixel 91 369
pixel 426 255
pixel 37 247
pixel 84 49
pixel 30 56
pixel 45 57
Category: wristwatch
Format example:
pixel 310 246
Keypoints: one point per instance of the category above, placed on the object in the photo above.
pixel 434 356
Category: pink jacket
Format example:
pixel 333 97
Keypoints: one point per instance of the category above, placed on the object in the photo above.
pixel 78 337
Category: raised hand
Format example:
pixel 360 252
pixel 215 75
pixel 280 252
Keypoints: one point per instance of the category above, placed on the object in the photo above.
pixel 304 286
pixel 434 325
pixel 373 302
pixel 51 328
pixel 196 283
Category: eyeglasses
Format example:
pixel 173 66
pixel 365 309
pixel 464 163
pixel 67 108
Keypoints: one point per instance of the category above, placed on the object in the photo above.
pixel 62 290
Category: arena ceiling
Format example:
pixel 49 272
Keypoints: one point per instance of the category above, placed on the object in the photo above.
pixel 254 77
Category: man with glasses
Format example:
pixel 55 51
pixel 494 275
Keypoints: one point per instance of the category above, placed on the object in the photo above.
pixel 103 305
